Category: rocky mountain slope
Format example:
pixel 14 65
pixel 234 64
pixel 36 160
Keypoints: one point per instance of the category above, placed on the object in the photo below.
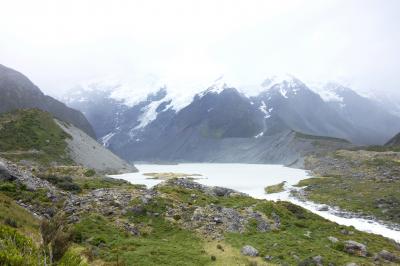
pixel 221 124
pixel 395 141
pixel 17 91
pixel 34 136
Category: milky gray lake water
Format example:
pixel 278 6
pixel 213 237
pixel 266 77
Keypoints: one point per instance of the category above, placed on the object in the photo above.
pixel 252 179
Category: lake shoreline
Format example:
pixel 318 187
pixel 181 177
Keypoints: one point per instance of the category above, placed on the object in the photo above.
pixel 253 178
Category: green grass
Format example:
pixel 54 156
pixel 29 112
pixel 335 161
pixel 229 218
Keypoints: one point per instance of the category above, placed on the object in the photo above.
pixel 19 218
pixel 360 181
pixel 361 196
pixel 275 188
pixel 18 191
pixel 17 249
pixel 164 244
pixel 32 134
pixel 97 182
pixel 305 235
pixel 202 199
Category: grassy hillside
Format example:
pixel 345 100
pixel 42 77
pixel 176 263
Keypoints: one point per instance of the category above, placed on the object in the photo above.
pixel 362 181
pixel 32 134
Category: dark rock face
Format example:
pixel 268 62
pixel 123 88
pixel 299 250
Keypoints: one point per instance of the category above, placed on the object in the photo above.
pixel 18 92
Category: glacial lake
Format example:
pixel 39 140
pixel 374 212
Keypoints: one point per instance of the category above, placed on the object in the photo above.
pixel 252 179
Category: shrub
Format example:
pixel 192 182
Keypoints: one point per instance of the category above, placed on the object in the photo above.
pixel 11 222
pixel 89 173
pixel 8 187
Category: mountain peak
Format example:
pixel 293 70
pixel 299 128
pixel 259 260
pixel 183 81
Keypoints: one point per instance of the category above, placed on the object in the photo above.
pixel 218 86
pixel 285 85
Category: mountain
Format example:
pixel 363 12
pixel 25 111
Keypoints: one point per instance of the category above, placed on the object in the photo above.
pixel 376 123
pixel 291 104
pixel 17 91
pixel 395 141
pixel 32 135
pixel 222 124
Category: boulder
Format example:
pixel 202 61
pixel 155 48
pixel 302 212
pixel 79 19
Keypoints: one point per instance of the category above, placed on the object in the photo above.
pixel 5 175
pixel 249 251
pixel 323 208
pixel 318 260
pixel 386 255
pixel 355 248
pixel 333 239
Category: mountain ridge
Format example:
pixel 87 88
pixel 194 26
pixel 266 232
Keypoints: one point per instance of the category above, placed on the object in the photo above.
pixel 17 91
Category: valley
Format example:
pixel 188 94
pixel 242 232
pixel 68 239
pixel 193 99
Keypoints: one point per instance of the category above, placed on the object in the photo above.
pixel 68 200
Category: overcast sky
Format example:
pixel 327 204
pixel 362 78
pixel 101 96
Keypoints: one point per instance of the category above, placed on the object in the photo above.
pixel 184 44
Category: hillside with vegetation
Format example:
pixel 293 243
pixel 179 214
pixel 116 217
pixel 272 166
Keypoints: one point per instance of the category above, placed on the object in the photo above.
pixel 54 211
pixel 82 218
pixel 363 181
pixel 35 137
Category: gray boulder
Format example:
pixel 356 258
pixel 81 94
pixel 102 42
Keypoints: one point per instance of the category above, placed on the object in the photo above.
pixel 355 248
pixel 5 174
pixel 386 255
pixel 249 251
pixel 333 239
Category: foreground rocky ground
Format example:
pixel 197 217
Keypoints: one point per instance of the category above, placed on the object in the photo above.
pixel 366 182
pixel 72 216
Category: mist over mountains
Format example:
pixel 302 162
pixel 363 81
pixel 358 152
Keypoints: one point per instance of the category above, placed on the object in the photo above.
pixel 221 123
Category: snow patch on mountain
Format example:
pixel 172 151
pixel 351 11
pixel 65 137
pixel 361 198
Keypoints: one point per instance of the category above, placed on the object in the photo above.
pixel 106 139
pixel 266 112
pixel 149 114
pixel 329 92
pixel 217 87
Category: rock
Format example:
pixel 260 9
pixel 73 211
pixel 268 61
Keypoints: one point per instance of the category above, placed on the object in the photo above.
pixel 218 220
pixel 268 258
pixel 249 251
pixel 333 239
pixel 355 248
pixel 318 260
pixel 137 210
pixel 323 208
pixel 221 192
pixel 5 174
pixel 351 264
pixel 346 232
pixel 277 219
pixel 386 255
pixel 146 199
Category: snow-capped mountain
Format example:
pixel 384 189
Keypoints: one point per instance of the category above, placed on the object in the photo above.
pixel 221 123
